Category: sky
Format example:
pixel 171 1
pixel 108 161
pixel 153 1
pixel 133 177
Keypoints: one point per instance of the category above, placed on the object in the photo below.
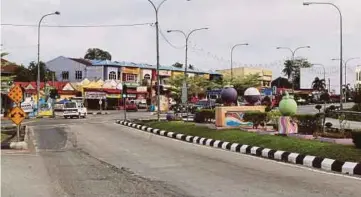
pixel 264 24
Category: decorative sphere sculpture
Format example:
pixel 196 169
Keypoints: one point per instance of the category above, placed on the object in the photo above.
pixel 252 95
pixel 288 105
pixel 229 95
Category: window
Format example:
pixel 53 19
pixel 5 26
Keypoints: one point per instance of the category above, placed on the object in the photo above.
pixel 146 76
pixel 112 75
pixel 118 75
pixel 131 77
pixel 65 75
pixel 78 74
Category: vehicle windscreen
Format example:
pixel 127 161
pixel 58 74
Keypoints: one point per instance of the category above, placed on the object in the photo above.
pixel 70 105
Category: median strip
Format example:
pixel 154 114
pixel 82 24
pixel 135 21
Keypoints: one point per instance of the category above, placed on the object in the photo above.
pixel 328 164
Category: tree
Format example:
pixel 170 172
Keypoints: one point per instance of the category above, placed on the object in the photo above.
pixel 319 84
pixel 3 54
pixel 45 74
pixel 98 54
pixel 241 84
pixel 177 65
pixel 293 69
pixel 23 74
pixel 289 69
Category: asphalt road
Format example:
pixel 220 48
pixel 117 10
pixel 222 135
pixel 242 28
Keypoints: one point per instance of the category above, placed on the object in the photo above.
pixel 95 157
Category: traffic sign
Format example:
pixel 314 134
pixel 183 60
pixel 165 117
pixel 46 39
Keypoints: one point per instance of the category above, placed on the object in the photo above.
pixel 16 94
pixel 17 115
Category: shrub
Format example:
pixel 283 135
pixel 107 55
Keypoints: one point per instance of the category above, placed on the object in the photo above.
pixel 204 115
pixel 308 123
pixel 356 138
pixel 356 107
pixel 257 118
pixel 328 124
pixel 318 107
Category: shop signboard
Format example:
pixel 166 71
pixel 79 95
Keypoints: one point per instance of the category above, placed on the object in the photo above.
pixel 129 70
pixel 142 89
pixel 114 96
pixel 165 73
pixel 95 95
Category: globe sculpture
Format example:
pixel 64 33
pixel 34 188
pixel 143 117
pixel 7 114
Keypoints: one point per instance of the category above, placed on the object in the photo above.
pixel 229 95
pixel 252 95
pixel 288 105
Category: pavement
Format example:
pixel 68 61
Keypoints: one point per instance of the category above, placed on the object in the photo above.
pixel 95 157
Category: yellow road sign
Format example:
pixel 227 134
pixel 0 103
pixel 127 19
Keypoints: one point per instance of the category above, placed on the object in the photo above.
pixel 17 115
pixel 16 94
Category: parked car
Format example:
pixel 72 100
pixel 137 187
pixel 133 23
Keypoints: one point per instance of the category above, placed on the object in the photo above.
pixel 74 109
pixel 131 106
pixel 142 105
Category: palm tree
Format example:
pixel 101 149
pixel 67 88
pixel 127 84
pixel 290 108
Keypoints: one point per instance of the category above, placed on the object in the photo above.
pixel 318 84
pixel 289 69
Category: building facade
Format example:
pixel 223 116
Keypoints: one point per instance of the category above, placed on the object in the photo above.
pixel 265 76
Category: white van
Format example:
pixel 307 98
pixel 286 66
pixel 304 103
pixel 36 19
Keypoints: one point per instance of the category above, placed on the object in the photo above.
pixel 74 109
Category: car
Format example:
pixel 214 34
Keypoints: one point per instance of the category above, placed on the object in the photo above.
pixel 74 109
pixel 142 105
pixel 131 106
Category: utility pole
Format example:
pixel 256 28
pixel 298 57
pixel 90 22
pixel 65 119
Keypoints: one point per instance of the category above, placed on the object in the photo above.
pixel 245 44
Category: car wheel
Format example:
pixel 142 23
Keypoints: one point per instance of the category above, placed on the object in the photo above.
pixel 66 117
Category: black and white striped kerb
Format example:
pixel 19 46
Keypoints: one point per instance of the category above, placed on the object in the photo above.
pixel 351 168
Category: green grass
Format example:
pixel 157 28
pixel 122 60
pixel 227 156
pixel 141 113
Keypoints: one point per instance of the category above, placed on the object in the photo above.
pixel 302 146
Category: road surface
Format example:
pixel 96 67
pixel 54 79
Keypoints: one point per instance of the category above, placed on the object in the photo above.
pixel 96 157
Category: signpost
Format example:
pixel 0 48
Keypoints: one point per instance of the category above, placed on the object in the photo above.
pixel 17 115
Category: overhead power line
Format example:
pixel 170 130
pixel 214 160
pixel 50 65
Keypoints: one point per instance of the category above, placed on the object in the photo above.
pixel 78 26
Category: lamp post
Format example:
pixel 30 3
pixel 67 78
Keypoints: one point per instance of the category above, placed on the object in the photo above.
pixel 345 64
pixel 341 42
pixel 245 44
pixel 293 52
pixel 156 9
pixel 38 77
pixel 186 36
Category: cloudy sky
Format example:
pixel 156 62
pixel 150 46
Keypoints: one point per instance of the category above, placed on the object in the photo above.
pixel 264 24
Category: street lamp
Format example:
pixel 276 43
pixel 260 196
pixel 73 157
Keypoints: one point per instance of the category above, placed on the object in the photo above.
pixel 38 77
pixel 341 43
pixel 245 44
pixel 156 9
pixel 186 36
pixel 293 54
pixel 345 64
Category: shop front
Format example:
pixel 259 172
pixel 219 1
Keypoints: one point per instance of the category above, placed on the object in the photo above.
pixel 95 98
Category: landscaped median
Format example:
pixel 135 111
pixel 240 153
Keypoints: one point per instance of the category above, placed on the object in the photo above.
pixel 328 156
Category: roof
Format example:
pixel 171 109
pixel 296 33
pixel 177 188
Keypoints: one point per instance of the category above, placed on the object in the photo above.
pixel 57 84
pixel 82 61
pixel 146 66
pixel 8 67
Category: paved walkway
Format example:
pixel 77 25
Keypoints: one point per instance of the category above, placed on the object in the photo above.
pixel 349 124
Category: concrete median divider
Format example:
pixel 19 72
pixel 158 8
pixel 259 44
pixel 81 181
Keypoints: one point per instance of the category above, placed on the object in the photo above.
pixel 344 167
